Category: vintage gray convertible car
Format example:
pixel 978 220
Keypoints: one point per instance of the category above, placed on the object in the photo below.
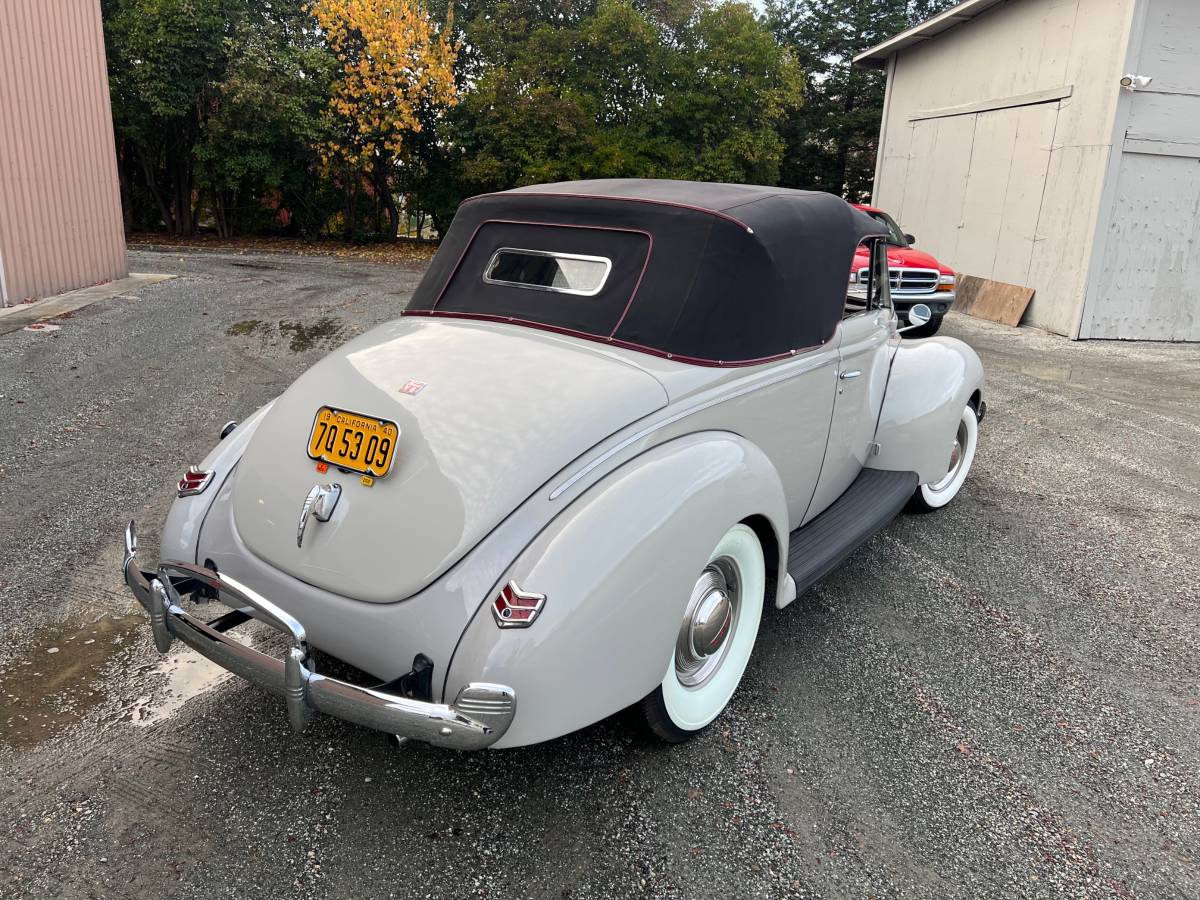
pixel 615 422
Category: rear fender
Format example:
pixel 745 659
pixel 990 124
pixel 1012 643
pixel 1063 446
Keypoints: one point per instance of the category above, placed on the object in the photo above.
pixel 930 383
pixel 181 531
pixel 617 567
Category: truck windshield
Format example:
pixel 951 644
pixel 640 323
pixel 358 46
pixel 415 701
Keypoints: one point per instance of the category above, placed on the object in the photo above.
pixel 895 235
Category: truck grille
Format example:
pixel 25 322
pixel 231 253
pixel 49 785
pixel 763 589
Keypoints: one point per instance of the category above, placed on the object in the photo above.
pixel 908 281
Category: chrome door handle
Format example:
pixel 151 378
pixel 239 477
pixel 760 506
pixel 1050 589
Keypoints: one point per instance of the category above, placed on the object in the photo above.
pixel 846 376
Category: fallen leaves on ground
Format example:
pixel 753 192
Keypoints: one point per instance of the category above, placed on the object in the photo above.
pixel 402 251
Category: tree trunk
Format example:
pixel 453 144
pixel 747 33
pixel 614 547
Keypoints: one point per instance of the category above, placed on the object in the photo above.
pixel 181 204
pixel 440 223
pixel 842 163
pixel 183 183
pixel 231 215
pixel 197 209
pixel 164 208
pixel 220 208
pixel 125 175
pixel 383 191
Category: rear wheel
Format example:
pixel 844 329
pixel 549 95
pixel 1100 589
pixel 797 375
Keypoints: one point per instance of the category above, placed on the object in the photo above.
pixel 715 639
pixel 937 494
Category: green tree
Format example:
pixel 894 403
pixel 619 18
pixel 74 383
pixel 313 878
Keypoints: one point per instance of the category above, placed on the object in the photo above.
pixel 163 58
pixel 218 108
pixel 258 149
pixel 732 91
pixel 832 141
pixel 611 88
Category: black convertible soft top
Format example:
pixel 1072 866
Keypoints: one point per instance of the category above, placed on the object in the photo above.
pixel 714 274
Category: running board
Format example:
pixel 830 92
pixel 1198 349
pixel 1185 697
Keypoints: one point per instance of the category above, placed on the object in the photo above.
pixel 873 500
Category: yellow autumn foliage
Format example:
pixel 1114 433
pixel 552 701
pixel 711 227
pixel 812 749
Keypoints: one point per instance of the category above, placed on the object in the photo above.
pixel 392 61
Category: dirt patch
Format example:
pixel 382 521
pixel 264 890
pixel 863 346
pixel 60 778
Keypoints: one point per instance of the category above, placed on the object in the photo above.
pixel 405 250
pixel 306 336
pixel 301 336
pixel 244 328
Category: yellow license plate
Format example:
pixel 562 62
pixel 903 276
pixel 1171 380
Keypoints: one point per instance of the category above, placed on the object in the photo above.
pixel 353 441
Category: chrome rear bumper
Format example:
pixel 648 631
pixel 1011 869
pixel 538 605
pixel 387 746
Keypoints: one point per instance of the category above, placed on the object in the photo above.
pixel 477 718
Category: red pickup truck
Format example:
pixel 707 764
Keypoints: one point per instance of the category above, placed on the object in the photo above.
pixel 915 275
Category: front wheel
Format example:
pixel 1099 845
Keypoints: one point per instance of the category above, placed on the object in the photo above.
pixel 716 636
pixel 937 494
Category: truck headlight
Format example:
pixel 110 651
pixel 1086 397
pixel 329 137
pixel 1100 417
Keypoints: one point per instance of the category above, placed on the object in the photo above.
pixel 946 282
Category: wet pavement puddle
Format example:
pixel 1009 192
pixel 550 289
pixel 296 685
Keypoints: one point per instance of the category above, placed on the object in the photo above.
pixel 188 675
pixel 61 678
pixel 72 670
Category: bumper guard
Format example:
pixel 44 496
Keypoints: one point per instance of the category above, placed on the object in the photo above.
pixel 477 718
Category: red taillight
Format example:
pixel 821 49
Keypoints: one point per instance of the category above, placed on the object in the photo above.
pixel 515 608
pixel 194 481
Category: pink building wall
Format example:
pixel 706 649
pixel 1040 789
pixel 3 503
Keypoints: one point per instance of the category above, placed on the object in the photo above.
pixel 60 204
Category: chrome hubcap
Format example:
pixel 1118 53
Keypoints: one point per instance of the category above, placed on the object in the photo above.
pixel 708 622
pixel 956 460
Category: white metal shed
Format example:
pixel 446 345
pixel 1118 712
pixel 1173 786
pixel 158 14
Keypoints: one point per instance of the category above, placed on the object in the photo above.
pixel 1011 148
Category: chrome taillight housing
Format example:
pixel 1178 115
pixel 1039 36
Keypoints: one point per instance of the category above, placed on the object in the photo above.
pixel 515 608
pixel 194 481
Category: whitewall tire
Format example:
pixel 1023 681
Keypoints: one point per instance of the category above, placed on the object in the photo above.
pixel 715 639
pixel 937 494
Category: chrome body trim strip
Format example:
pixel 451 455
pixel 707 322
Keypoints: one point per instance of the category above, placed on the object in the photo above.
pixel 486 709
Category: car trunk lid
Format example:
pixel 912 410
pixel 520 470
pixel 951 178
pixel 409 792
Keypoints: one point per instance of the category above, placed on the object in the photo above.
pixel 486 414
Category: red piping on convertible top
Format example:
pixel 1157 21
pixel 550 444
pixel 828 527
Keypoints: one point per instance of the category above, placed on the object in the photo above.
pixel 611 341
pixel 703 209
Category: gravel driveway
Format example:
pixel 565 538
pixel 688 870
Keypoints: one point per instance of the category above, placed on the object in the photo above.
pixel 999 699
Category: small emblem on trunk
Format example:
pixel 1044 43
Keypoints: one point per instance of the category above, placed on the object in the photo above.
pixel 412 387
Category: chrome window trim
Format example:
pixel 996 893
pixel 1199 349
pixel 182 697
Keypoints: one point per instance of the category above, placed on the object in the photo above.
pixel 487 272
pixel 859 289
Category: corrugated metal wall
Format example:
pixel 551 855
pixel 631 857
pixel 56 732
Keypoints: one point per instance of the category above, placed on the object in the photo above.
pixel 60 204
